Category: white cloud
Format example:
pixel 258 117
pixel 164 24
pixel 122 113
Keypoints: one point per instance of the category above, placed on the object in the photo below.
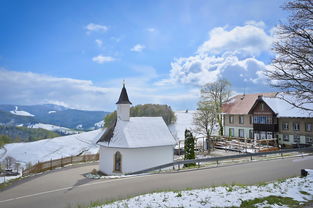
pixel 27 88
pixel 199 70
pixel 96 27
pixel 137 48
pixel 259 24
pixel 31 88
pixel 100 59
pixel 248 40
pixel 99 43
pixel 231 54
pixel 151 29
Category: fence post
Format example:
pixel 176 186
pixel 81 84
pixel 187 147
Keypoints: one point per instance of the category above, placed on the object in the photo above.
pixel 216 162
pixel 84 158
pixel 61 161
pixel 71 159
pixel 251 157
pixel 282 155
pixel 50 163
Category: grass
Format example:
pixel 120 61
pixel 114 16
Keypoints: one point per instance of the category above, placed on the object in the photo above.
pixel 271 200
pixel 305 193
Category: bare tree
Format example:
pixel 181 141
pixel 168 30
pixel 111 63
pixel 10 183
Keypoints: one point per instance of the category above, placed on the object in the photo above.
pixel 292 70
pixel 204 120
pixel 216 94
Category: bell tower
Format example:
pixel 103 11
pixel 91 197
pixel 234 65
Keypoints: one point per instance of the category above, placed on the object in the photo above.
pixel 123 105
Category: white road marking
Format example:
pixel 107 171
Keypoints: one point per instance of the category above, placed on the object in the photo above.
pixel 71 187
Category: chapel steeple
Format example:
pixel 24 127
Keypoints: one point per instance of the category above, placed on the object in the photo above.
pixel 123 105
pixel 123 96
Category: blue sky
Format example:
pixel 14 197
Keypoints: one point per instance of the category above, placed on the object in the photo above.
pixel 77 53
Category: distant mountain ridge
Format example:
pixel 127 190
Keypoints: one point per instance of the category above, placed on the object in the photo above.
pixel 50 114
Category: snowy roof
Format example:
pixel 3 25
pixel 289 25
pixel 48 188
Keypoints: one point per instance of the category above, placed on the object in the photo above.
pixel 284 109
pixel 140 132
pixel 241 104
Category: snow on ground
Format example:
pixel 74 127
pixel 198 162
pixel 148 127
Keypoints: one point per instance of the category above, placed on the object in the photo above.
pixel 99 124
pixel 54 148
pixel 20 113
pixel 8 178
pixel 184 120
pixel 51 112
pixel 299 189
pixel 51 127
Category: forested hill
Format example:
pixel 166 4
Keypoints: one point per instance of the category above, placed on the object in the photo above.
pixel 10 134
pixel 50 114
pixel 23 134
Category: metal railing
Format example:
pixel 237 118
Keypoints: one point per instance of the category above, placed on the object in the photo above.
pixel 217 159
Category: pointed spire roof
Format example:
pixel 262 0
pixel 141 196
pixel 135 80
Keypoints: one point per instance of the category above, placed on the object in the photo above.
pixel 123 97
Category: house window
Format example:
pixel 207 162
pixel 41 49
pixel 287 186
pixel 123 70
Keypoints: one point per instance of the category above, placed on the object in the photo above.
pixel 296 126
pixel 118 162
pixel 296 139
pixel 286 138
pixel 231 119
pixel 231 132
pixel 251 134
pixel 241 133
pixel 263 135
pixel 285 126
pixel 269 135
pixel 262 120
pixel 241 119
pixel 308 139
pixel 308 126
pixel 262 106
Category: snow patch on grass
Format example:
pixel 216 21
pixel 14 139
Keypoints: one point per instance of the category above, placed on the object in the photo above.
pixel 270 195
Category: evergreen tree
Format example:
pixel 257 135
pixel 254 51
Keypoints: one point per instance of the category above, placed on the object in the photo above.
pixel 189 147
pixel 150 110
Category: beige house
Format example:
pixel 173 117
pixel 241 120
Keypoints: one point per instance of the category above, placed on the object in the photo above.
pixel 237 121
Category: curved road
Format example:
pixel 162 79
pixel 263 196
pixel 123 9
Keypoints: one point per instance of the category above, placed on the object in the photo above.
pixel 68 187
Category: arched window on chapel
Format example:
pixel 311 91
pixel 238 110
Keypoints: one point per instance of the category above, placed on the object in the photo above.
pixel 118 162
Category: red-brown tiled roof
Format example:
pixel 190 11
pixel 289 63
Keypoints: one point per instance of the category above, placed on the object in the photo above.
pixel 241 104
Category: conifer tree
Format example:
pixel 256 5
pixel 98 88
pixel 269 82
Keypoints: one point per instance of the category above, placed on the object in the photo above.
pixel 189 147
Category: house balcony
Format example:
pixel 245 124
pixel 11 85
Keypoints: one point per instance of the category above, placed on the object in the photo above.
pixel 265 127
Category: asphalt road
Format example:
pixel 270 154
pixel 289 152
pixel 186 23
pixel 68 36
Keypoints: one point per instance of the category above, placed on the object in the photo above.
pixel 68 187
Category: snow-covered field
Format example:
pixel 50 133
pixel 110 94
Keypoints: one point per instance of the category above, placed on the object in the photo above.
pixel 51 127
pixel 20 113
pixel 54 148
pixel 299 189
pixel 183 122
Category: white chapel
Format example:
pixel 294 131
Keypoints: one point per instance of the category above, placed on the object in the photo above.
pixel 134 143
